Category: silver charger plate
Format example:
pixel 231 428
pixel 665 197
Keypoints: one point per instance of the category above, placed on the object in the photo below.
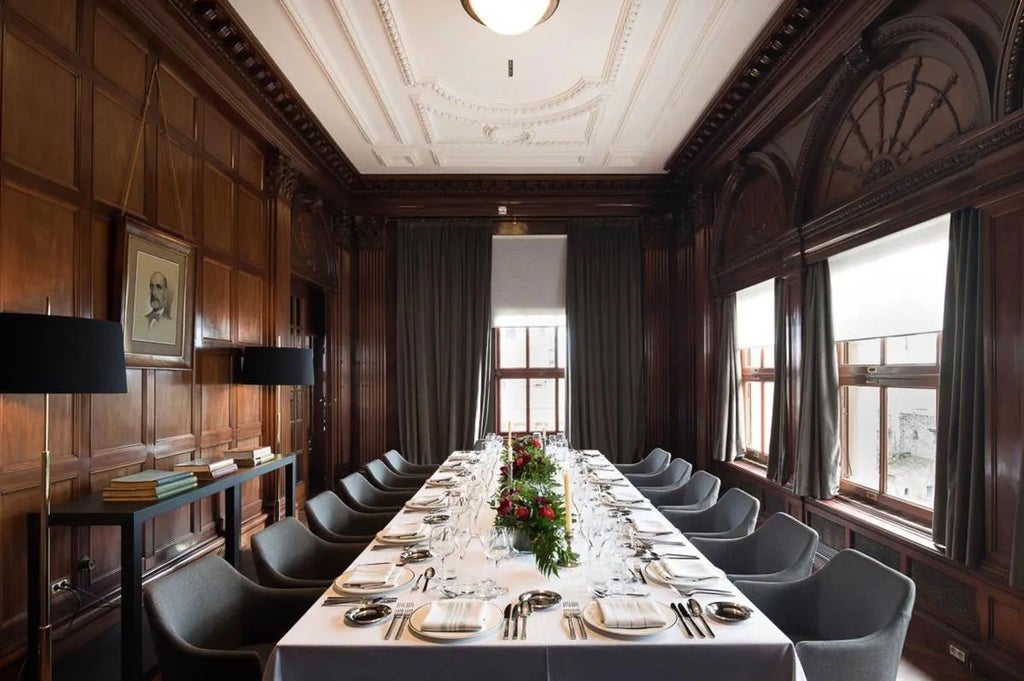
pixel 366 615
pixel 727 611
pixel 541 600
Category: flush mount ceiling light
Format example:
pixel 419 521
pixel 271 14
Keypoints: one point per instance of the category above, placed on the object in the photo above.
pixel 510 17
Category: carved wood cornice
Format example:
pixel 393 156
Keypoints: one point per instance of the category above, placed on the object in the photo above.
pixel 513 185
pixel 280 177
pixel 222 31
pixel 1011 78
pixel 776 48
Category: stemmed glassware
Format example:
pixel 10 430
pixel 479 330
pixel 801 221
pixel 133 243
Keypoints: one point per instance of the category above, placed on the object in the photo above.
pixel 497 547
pixel 442 543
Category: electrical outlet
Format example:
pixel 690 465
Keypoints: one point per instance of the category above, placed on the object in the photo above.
pixel 60 585
pixel 957 652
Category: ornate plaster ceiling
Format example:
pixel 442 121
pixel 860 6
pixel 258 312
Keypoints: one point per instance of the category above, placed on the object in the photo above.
pixel 417 86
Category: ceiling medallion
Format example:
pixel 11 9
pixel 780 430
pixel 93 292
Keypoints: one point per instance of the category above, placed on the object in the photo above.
pixel 510 17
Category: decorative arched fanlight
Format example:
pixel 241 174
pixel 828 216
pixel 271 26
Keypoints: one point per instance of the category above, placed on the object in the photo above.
pixel 510 17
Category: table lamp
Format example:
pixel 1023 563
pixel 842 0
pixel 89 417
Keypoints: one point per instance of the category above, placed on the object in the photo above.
pixel 277 367
pixel 46 355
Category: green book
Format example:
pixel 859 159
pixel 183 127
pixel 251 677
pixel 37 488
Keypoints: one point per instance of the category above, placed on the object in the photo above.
pixel 150 494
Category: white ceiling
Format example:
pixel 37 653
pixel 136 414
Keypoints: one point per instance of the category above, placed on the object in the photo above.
pixel 417 86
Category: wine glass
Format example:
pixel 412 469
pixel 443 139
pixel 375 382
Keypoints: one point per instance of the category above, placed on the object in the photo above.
pixel 442 543
pixel 497 547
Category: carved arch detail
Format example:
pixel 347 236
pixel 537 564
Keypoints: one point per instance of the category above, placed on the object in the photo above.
pixel 1010 95
pixel 913 86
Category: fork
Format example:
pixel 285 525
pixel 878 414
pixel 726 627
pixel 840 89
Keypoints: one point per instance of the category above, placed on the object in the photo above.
pixel 577 612
pixel 402 613
pixel 705 590
pixel 567 614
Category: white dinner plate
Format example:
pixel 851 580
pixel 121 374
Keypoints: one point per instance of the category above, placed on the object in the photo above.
pixel 704 575
pixel 404 582
pixel 592 616
pixel 608 501
pixel 492 622
pixel 394 541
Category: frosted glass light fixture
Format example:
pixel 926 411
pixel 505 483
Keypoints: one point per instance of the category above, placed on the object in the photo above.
pixel 510 17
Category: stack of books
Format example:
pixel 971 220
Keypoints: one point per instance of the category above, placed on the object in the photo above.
pixel 149 485
pixel 208 469
pixel 247 457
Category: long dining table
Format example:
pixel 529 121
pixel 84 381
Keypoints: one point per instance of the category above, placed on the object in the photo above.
pixel 323 646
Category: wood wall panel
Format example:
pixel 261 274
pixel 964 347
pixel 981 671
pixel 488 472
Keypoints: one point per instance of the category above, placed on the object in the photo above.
pixel 40 111
pixel 177 102
pixel 218 138
pixel 249 309
pixel 250 162
pixel 172 397
pixel 252 229
pixel 374 403
pixel 117 419
pixel 658 298
pixel 115 129
pixel 175 183
pixel 216 300
pixel 59 18
pixel 120 56
pixel 218 210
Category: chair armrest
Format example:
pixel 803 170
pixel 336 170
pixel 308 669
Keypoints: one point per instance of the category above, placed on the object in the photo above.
pixel 786 604
pixel 202 663
pixel 868 657
pixel 270 613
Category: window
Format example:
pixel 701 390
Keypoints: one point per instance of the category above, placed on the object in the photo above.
pixel 530 378
pixel 755 339
pixel 887 299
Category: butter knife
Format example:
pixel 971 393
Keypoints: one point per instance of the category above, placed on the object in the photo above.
pixel 508 617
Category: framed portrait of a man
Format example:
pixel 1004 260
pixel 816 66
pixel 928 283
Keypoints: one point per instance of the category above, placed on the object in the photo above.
pixel 157 301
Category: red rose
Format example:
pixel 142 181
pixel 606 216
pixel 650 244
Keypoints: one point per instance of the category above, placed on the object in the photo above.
pixel 527 458
pixel 522 512
pixel 504 506
pixel 543 501
pixel 536 443
pixel 519 462
pixel 504 470
pixel 547 512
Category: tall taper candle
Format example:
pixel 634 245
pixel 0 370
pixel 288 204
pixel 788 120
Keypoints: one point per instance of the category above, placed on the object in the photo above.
pixel 568 504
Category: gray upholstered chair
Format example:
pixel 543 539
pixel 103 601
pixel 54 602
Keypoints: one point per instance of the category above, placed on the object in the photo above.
pixel 357 492
pixel 289 556
pixel 781 550
pixel 383 478
pixel 676 473
pixel 734 515
pixel 400 464
pixel 848 620
pixel 699 492
pixel 655 462
pixel 331 519
pixel 210 622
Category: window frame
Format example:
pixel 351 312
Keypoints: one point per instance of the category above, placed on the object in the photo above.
pixel 882 376
pixel 759 375
pixel 528 373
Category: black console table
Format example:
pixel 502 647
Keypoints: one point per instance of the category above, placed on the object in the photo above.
pixel 130 517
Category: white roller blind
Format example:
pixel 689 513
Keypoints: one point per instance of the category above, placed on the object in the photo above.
pixel 893 286
pixel 528 280
pixel 755 315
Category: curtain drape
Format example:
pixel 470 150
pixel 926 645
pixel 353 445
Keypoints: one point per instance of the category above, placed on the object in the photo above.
pixel 816 468
pixel 777 447
pixel 443 309
pixel 604 278
pixel 959 520
pixel 728 444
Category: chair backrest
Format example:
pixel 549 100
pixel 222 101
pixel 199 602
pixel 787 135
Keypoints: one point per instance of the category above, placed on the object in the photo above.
pixel 702 487
pixel 202 604
pixel 675 475
pixel 870 596
pixel 735 514
pixel 783 543
pixel 657 460
pixel 286 548
pixel 326 514
pixel 378 473
pixel 357 491
pixel 358 488
pixel 395 460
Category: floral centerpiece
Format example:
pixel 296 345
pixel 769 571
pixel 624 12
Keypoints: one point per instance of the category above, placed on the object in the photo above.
pixel 527 505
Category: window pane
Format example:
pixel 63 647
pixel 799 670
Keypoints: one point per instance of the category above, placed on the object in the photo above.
pixel 864 352
pixel 769 357
pixel 513 404
pixel 512 348
pixel 561 404
pixel 910 436
pixel 753 358
pixel 863 423
pixel 919 349
pixel 769 397
pixel 542 404
pixel 563 345
pixel 755 428
pixel 542 346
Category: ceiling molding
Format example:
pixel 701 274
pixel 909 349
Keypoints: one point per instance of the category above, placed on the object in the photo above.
pixel 776 46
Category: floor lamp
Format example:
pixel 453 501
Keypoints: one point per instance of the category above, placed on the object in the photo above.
pixel 276 367
pixel 46 355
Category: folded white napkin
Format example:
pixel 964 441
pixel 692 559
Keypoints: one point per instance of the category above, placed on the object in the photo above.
pixel 630 613
pixel 451 466
pixel 405 531
pixel 676 568
pixel 652 526
pixel 625 496
pixel 425 498
pixel 606 476
pixel 370 576
pixel 591 452
pixel 462 456
pixel 459 614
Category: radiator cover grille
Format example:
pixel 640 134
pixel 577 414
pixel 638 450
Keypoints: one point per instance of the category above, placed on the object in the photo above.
pixel 945 596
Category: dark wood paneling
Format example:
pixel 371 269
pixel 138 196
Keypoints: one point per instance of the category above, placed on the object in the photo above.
pixel 115 130
pixel 218 210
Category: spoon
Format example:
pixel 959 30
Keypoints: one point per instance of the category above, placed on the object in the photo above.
pixel 697 611
pixel 525 610
pixel 428 574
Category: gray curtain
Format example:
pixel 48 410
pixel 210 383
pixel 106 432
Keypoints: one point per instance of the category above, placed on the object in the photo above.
pixel 604 278
pixel 816 468
pixel 778 466
pixel 443 310
pixel 959 520
pixel 728 445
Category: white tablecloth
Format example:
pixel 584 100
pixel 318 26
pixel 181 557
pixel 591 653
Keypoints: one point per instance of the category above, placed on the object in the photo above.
pixel 322 646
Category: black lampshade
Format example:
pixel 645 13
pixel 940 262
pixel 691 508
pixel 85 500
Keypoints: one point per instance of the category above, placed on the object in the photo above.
pixel 51 354
pixel 276 366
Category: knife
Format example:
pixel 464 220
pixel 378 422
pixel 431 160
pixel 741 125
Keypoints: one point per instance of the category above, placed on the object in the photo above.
pixel 508 617
pixel 515 622
pixel 678 610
